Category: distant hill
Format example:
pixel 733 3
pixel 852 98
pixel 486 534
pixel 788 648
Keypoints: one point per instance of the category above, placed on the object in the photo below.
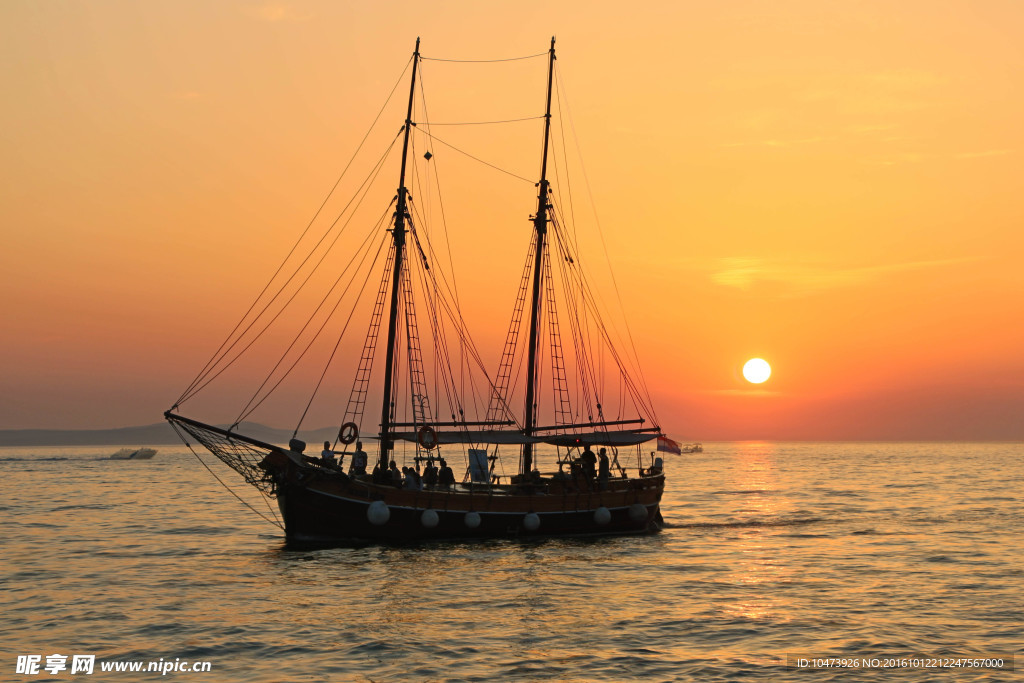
pixel 147 435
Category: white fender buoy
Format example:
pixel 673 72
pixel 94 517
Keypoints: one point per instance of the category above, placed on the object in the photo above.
pixel 602 515
pixel 637 512
pixel 429 519
pixel 531 521
pixel 378 513
pixel 472 520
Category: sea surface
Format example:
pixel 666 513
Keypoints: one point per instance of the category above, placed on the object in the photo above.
pixel 773 552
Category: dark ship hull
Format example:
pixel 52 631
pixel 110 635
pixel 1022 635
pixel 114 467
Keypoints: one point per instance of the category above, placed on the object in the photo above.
pixel 322 506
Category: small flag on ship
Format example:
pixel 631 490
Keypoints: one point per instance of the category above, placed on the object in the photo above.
pixel 667 445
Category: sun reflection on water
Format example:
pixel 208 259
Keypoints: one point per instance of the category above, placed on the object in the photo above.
pixel 760 506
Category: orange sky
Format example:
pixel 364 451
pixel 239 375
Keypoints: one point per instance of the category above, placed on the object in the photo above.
pixel 834 187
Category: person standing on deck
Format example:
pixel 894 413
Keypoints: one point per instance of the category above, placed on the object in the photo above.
pixel 358 465
pixel 603 468
pixel 589 462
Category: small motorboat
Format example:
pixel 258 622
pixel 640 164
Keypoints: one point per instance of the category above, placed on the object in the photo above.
pixel 134 454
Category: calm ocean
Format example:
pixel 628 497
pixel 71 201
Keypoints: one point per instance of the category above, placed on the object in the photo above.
pixel 774 550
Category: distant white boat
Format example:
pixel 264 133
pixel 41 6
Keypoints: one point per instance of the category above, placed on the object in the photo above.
pixel 134 454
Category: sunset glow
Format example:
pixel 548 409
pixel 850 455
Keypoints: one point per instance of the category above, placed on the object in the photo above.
pixel 836 185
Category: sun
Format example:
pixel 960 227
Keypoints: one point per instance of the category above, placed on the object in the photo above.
pixel 757 370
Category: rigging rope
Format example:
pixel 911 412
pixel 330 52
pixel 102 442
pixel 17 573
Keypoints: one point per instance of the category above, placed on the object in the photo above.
pixel 593 205
pixel 205 376
pixel 430 284
pixel 360 383
pixel 454 314
pixel 573 278
pixel 485 163
pixel 217 357
pixel 443 364
pixel 484 123
pixel 580 329
pixel 251 406
pixel 437 330
pixel 340 337
pixel 463 360
pixel 572 282
pixel 483 61
pixel 274 521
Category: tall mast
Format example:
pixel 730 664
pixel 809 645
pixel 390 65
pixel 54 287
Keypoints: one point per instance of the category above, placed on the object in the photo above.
pixel 540 225
pixel 398 233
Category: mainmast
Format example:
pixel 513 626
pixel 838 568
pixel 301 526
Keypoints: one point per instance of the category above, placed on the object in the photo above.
pixel 540 225
pixel 398 233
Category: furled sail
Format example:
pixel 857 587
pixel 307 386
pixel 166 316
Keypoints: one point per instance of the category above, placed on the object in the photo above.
pixel 616 438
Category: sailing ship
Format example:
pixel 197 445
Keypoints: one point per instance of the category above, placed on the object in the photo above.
pixel 321 501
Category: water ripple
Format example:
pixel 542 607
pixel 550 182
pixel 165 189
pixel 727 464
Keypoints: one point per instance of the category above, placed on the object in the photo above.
pixel 819 548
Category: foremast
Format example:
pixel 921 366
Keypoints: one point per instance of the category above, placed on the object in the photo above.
pixel 540 225
pixel 398 234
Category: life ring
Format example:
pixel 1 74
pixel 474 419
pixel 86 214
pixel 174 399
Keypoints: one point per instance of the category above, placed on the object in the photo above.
pixel 348 433
pixel 427 437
